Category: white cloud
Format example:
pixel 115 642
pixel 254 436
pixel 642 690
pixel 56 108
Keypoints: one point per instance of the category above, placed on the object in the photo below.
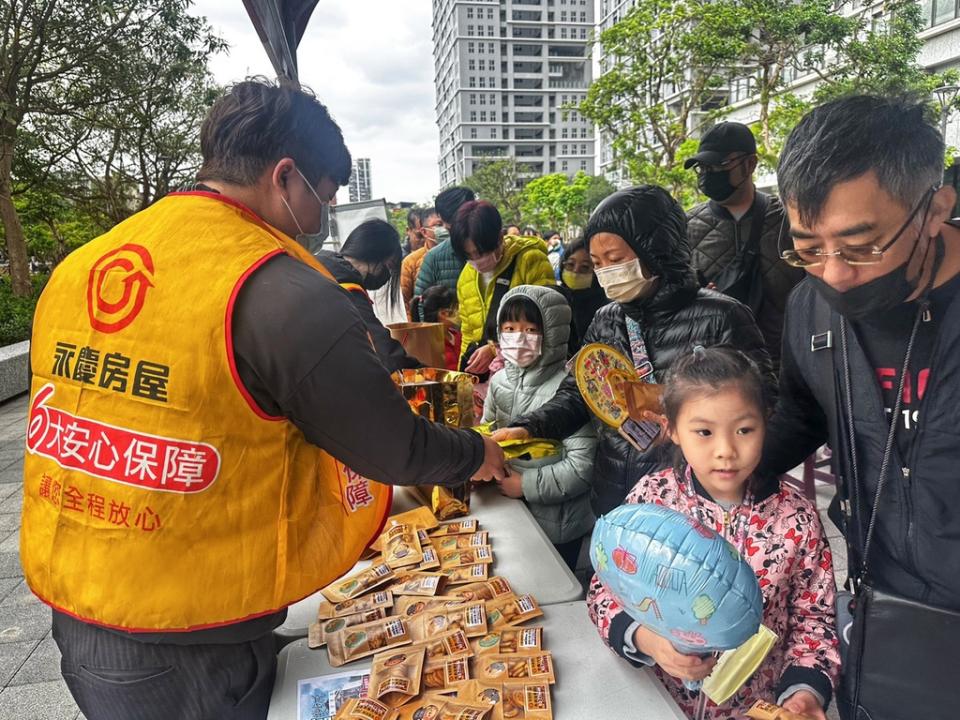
pixel 371 63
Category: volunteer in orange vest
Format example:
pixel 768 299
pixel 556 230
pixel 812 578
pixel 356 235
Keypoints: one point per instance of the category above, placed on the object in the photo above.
pixel 205 413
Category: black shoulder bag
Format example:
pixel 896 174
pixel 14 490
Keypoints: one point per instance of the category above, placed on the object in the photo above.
pixel 899 662
pixel 742 278
pixel 500 288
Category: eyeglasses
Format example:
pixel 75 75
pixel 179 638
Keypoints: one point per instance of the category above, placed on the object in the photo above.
pixel 853 254
pixel 702 169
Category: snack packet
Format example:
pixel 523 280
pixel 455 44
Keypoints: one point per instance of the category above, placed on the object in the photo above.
pixel 509 610
pixel 357 584
pixel 763 710
pixel 380 599
pixel 463 542
pixel 396 676
pixel 448 645
pixel 359 641
pixel 467 526
pixel 409 606
pixel 420 518
pixel 443 674
pixel 318 632
pixel 401 546
pixel 365 709
pixel 467 574
pixel 510 701
pixel 431 559
pixel 507 668
pixel 418 583
pixel 486 590
pixel 471 618
pixel 510 641
pixel 439 707
pixel 470 556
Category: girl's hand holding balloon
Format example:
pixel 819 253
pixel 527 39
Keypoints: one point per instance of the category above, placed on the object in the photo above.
pixel 680 666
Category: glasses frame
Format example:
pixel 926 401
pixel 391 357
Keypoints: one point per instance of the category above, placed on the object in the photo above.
pixel 791 256
pixel 725 166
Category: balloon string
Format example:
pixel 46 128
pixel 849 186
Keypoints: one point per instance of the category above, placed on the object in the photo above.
pixel 701 706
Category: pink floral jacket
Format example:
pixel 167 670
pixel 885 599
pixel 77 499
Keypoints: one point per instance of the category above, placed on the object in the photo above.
pixel 786 546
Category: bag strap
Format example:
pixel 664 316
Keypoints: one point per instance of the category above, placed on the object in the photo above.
pixel 500 288
pixel 759 217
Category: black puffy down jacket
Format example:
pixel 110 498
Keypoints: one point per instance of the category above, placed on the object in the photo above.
pixel 676 318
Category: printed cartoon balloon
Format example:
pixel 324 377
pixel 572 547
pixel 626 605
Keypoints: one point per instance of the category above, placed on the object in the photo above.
pixel 677 577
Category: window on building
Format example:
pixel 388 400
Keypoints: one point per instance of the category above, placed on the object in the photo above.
pixel 564 149
pixel 493 133
pixel 472 64
pixel 470 47
pixel 483 116
pixel 583 33
pixel 473 116
pixel 563 134
pixel 483 82
pixel 490 48
pixel 470 13
pixel 583 16
pixel 469 29
pixel 473 133
pixel 564 165
pixel 489 13
pixel 563 16
pixel 480 48
pixel 483 99
pixel 583 132
pixel 583 149
pixel 563 33
pixel 473 98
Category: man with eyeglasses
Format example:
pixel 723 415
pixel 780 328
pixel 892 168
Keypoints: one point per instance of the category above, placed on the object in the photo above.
pixel 735 235
pixel 871 362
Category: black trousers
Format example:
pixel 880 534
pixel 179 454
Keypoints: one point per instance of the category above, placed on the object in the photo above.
pixel 113 677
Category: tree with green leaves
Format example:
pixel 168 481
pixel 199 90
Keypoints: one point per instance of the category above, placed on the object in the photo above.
pixel 91 83
pixel 499 183
pixel 658 48
pixel 562 203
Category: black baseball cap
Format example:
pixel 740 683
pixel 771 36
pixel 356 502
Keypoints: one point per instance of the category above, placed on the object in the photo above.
pixel 721 140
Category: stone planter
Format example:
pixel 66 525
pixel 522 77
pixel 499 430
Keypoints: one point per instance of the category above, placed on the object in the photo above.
pixel 14 370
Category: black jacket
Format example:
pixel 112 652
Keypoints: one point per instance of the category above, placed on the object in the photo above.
pixel 714 238
pixel 674 319
pixel 391 353
pixel 916 546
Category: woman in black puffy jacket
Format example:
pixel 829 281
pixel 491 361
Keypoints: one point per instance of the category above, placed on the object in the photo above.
pixel 637 239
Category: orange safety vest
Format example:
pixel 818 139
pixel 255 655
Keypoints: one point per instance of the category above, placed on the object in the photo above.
pixel 157 495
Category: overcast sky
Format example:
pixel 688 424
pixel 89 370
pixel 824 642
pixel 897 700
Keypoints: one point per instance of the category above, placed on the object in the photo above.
pixel 371 63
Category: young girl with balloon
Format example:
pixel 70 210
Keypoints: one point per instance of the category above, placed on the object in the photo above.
pixel 715 408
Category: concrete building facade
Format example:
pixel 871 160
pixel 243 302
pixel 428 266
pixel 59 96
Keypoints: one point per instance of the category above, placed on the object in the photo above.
pixel 504 70
pixel 360 185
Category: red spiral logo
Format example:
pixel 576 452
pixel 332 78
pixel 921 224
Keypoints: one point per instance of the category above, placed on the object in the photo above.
pixel 118 286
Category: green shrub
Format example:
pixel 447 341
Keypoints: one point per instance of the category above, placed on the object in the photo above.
pixel 16 314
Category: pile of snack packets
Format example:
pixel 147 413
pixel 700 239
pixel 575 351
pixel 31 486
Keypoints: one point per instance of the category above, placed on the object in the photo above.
pixel 444 635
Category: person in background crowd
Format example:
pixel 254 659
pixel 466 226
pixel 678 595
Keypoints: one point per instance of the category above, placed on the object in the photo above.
pixel 439 304
pixel 534 323
pixel 870 364
pixel 716 405
pixel 430 221
pixel 637 240
pixel 441 266
pixel 413 239
pixel 491 260
pixel 554 251
pixel 257 406
pixel 735 237
pixel 512 229
pixel 369 260
pixel 530 231
pixel 581 288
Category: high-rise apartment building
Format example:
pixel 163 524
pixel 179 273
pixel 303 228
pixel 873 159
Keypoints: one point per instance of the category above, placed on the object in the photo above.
pixel 504 71
pixel 360 187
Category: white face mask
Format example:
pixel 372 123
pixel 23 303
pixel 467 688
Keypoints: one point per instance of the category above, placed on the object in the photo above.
pixel 625 282
pixel 521 348
pixel 305 239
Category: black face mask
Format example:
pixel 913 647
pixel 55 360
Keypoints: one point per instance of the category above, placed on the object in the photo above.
pixel 716 185
pixel 884 293
pixel 374 280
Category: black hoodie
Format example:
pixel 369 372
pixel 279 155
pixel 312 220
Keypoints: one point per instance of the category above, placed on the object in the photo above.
pixel 678 316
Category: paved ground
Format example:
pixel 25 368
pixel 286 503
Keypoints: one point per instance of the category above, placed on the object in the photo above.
pixel 30 684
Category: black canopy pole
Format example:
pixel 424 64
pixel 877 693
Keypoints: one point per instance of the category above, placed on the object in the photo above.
pixel 280 25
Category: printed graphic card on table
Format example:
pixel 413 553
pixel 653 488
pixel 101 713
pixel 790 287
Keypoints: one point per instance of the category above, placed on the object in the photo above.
pixel 467 526
pixel 510 641
pixel 509 610
pixel 401 546
pixel 366 709
pixel 444 675
pixel 470 556
pixel 506 668
pixel 357 584
pixel 510 701
pixel 471 618
pixel 418 583
pixel 396 676
pixel 463 542
pixel 466 574
pixel 318 632
pixel 380 599
pixel 320 698
pixel 409 606
pixel 440 707
pixel 485 590
pixel 359 641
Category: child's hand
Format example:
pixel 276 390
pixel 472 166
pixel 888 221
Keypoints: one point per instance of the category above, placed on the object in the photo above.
pixel 678 665
pixel 480 360
pixel 805 703
pixel 512 485
pixel 510 433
